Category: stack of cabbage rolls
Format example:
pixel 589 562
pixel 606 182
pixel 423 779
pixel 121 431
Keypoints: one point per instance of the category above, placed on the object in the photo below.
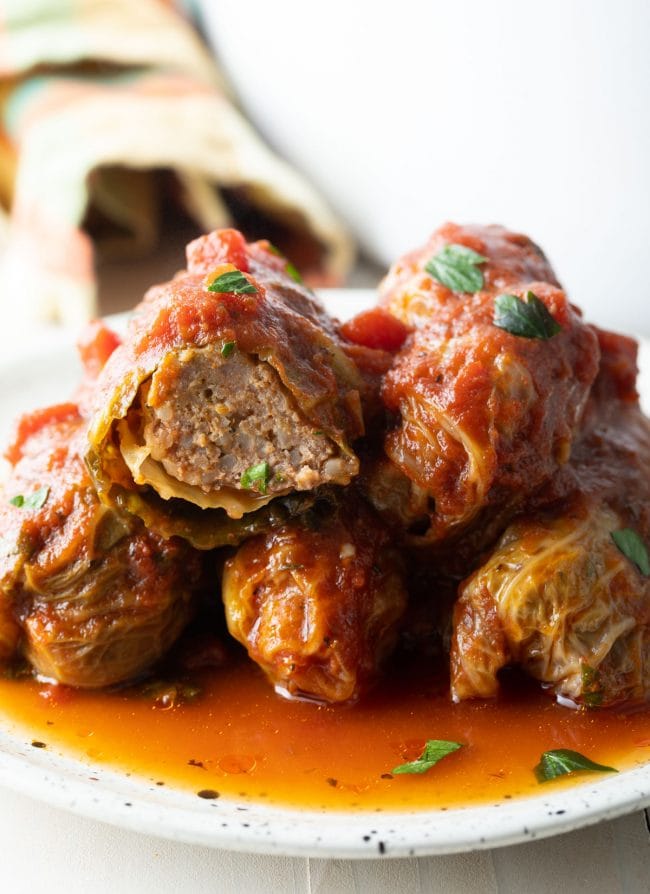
pixel 469 452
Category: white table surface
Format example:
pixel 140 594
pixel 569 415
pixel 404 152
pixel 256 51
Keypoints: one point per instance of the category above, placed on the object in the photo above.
pixel 45 849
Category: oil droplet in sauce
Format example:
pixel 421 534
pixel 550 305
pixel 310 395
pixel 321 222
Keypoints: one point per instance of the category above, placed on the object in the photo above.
pixel 241 740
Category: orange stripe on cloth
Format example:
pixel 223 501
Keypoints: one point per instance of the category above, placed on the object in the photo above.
pixel 56 93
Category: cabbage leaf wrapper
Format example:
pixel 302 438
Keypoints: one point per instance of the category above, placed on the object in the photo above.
pixel 482 416
pixel 558 596
pixel 224 411
pixel 318 602
pixel 87 595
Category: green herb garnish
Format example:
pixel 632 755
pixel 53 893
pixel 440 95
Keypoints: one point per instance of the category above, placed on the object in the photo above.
pixel 434 751
pixel 227 348
pixel 233 282
pixel 292 270
pixel 562 761
pixel 457 267
pixel 528 318
pixel 33 501
pixel 256 475
pixel 633 548
pixel 592 695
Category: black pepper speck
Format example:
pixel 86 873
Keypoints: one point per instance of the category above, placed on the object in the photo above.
pixel 208 793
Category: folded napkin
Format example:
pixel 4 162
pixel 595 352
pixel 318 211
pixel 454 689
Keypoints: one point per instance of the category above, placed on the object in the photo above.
pixel 113 112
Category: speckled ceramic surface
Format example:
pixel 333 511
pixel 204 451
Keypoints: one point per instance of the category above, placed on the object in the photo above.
pixel 134 804
pixel 44 370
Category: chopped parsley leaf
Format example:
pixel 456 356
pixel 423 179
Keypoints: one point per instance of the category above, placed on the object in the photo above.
pixel 457 268
pixel 633 548
pixel 527 318
pixel 258 475
pixel 434 751
pixel 33 501
pixel 234 283
pixel 561 761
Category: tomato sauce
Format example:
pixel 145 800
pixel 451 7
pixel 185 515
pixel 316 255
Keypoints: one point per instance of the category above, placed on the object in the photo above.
pixel 239 739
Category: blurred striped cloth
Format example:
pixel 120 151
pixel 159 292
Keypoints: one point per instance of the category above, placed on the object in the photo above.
pixel 106 105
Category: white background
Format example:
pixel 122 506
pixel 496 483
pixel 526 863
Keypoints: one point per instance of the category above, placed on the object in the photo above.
pixel 406 114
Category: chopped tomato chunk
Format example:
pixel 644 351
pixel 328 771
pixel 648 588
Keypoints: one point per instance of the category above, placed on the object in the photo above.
pixel 95 346
pixel 376 328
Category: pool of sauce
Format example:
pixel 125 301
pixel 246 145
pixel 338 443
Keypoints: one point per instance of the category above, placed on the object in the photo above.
pixel 239 739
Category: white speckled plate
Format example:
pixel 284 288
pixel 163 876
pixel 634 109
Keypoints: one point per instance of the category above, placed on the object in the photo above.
pixel 44 369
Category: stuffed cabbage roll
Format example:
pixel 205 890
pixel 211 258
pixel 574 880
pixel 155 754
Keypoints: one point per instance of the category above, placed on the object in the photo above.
pixel 87 595
pixel 317 602
pixel 414 294
pixel 566 593
pixel 232 389
pixel 487 394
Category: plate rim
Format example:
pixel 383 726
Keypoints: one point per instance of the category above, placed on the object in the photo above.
pixel 108 795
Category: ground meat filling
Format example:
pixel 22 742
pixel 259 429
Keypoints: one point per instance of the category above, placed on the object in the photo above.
pixel 210 418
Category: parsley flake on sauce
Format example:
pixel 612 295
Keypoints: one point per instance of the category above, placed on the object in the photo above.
pixel 528 318
pixel 33 501
pixel 227 348
pixel 457 268
pixel 633 548
pixel 290 268
pixel 592 695
pixel 562 761
pixel 256 475
pixel 434 751
pixel 234 283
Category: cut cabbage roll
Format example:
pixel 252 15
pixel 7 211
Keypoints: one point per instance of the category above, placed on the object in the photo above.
pixel 232 389
pixel 482 417
pixel 317 602
pixel 87 595
pixel 566 593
